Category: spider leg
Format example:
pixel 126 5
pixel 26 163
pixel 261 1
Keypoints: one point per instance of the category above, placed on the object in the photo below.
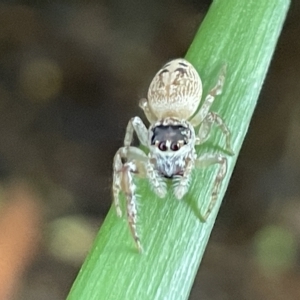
pixel 145 107
pixel 204 109
pixel 182 183
pixel 117 179
pixel 209 159
pixel 205 129
pixel 137 125
pixel 126 163
pixel 156 181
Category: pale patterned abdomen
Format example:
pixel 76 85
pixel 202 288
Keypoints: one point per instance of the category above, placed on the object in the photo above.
pixel 175 90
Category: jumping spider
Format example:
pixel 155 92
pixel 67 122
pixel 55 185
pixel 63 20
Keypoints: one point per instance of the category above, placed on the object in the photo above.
pixel 173 98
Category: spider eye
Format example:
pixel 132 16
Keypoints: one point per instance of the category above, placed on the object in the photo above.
pixel 162 146
pixel 175 147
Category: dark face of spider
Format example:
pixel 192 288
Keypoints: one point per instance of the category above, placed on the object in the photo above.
pixel 170 138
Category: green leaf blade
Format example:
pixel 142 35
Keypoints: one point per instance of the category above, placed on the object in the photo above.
pixel 242 34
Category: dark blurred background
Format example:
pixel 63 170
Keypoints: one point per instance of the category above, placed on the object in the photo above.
pixel 71 75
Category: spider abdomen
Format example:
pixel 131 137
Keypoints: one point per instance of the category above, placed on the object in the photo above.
pixel 175 90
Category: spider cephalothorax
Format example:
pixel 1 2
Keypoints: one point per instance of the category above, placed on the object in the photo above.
pixel 174 96
pixel 172 143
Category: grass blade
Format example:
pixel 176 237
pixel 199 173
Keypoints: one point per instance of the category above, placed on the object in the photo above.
pixel 242 34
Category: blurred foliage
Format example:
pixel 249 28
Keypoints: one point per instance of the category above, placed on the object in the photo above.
pixel 276 249
pixel 70 238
